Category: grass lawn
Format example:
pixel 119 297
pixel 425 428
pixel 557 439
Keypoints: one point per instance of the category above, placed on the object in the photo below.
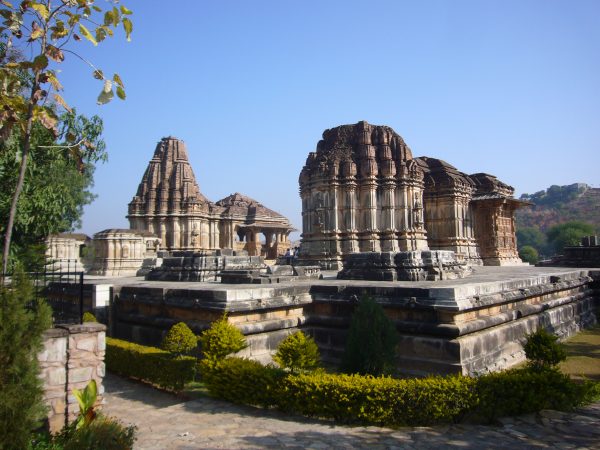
pixel 583 355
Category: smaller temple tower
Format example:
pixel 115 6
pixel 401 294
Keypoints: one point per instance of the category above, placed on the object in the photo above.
pixel 169 204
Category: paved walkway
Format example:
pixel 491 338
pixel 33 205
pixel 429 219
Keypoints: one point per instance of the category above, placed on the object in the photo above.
pixel 167 422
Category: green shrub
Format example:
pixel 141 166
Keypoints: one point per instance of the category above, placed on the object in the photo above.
pixel 382 401
pixel 220 340
pixel 543 350
pixel 529 254
pixel 521 391
pixel 149 364
pixel 179 340
pixel 395 402
pixel 242 380
pixel 43 441
pixel 89 317
pixel 104 433
pixel 297 353
pixel 21 393
pixel 372 340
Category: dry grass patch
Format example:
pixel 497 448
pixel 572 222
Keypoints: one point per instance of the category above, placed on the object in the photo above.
pixel 583 355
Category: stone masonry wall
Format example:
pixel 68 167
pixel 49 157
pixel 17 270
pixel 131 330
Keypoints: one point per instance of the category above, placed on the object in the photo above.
pixel 72 356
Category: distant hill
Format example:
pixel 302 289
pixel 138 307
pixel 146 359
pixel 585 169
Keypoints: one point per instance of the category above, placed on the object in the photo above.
pixel 559 204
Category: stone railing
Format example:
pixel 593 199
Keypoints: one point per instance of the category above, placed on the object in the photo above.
pixel 72 356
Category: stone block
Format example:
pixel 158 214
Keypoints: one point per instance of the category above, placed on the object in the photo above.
pixel 55 349
pixel 58 406
pixel 88 344
pixel 281 270
pixel 101 342
pixel 55 376
pixel 80 374
pixel 56 423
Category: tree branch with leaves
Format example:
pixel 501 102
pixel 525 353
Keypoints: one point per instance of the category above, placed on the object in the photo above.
pixel 47 30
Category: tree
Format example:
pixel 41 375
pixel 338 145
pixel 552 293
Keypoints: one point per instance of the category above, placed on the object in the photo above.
pixel 220 340
pixel 297 352
pixel 529 254
pixel 46 29
pixel 372 340
pixel 21 393
pixel 532 237
pixel 179 340
pixel 543 350
pixel 568 233
pixel 55 188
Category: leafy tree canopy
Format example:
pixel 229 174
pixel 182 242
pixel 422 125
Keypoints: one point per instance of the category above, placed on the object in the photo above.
pixel 531 236
pixel 568 233
pixel 372 340
pixel 35 38
pixel 529 254
pixel 57 182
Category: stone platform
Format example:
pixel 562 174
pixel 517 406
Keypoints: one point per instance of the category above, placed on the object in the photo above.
pixel 469 326
pixel 419 265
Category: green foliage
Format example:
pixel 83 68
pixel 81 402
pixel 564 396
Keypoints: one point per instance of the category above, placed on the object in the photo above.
pixel 89 317
pixel 149 364
pixel 569 233
pixel 382 401
pixel 241 380
pixel 22 323
pixel 297 352
pixel 220 340
pixel 395 402
pixel 179 340
pixel 40 34
pixel 543 350
pixel 86 400
pixel 372 340
pixel 521 391
pixel 104 433
pixel 43 441
pixel 531 236
pixel 56 186
pixel 529 254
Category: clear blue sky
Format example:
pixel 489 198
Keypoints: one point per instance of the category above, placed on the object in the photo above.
pixel 510 88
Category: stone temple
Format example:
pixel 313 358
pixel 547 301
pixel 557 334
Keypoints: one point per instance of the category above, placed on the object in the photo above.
pixel 169 204
pixel 367 202
pixel 403 230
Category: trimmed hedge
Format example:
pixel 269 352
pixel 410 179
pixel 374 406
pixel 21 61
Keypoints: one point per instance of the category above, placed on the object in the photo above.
pixel 393 402
pixel 149 364
pixel 381 400
pixel 521 391
pixel 244 381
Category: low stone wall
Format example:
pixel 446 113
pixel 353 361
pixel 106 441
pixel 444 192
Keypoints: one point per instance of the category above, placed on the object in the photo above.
pixel 72 356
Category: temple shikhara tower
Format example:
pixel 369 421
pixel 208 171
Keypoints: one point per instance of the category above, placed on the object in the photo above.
pixel 169 204
pixel 368 204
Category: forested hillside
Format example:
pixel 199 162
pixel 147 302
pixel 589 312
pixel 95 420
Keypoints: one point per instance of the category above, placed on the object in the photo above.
pixel 560 204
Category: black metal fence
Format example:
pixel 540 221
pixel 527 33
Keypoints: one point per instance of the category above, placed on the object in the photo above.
pixel 62 289
pixel 64 293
